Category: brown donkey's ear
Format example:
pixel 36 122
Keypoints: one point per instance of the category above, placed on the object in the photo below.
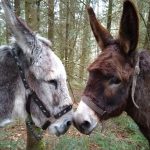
pixel 129 27
pixel 103 37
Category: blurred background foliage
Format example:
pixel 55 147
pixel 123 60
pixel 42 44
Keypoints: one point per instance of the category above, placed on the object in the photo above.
pixel 65 23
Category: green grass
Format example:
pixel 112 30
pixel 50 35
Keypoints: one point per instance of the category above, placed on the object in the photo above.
pixel 72 143
pixel 8 140
pixel 10 144
pixel 120 133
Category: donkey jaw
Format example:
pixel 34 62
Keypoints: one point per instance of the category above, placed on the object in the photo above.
pixel 61 126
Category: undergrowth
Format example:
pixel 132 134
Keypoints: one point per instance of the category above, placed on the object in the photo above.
pixel 120 133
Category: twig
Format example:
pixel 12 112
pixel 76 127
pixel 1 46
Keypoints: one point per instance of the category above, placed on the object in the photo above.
pixel 74 101
pixel 145 26
pixel 80 1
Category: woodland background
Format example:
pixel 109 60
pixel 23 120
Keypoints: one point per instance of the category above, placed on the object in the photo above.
pixel 65 23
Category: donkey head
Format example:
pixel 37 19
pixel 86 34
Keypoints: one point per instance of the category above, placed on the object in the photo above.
pixel 45 73
pixel 110 75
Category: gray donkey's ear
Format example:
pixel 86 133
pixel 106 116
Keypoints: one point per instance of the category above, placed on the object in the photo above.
pixel 25 38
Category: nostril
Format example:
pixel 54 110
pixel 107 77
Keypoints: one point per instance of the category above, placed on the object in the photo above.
pixel 68 123
pixel 86 124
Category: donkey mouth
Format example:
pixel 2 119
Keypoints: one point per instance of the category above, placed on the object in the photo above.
pixel 82 129
pixel 60 131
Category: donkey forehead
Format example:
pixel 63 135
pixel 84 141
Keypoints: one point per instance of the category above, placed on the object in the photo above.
pixel 111 63
pixel 108 60
pixel 47 65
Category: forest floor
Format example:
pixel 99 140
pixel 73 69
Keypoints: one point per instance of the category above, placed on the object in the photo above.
pixel 120 133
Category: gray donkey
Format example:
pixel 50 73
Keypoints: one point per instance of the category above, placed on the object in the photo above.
pixel 44 73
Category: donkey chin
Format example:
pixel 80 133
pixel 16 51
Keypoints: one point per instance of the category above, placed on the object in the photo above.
pixel 58 128
pixel 90 119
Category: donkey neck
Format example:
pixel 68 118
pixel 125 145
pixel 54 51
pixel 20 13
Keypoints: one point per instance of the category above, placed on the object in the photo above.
pixel 20 93
pixel 142 96
pixel 19 100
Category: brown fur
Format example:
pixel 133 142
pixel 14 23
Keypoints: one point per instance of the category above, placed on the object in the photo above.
pixel 111 74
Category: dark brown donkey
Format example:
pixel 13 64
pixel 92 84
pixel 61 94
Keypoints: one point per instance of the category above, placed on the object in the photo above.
pixel 114 84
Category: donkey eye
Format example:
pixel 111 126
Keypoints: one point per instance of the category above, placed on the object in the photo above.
pixel 114 80
pixel 53 82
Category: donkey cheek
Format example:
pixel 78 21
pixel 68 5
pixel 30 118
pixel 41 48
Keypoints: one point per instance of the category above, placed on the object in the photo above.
pixel 55 100
pixel 109 92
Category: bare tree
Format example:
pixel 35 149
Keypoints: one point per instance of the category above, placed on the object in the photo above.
pixel 147 37
pixel 109 15
pixel 17 7
pixel 85 49
pixel 32 18
pixel 31 14
pixel 51 20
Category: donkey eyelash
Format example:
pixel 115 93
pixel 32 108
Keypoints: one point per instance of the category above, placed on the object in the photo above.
pixel 53 82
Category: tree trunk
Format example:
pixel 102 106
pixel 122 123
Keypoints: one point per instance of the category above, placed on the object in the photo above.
pixel 31 14
pixel 32 143
pixel 109 15
pixel 38 2
pixel 17 7
pixel 85 48
pixel 61 35
pixel 51 20
pixel 67 35
pixel 147 37
pixel 73 38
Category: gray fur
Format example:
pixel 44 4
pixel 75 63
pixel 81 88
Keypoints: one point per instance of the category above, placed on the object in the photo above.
pixel 8 82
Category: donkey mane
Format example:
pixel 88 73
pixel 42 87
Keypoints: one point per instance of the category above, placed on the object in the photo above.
pixel 142 94
pixel 9 76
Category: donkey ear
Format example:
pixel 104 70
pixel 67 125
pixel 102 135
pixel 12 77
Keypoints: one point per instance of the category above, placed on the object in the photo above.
pixel 129 27
pixel 102 36
pixel 24 37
